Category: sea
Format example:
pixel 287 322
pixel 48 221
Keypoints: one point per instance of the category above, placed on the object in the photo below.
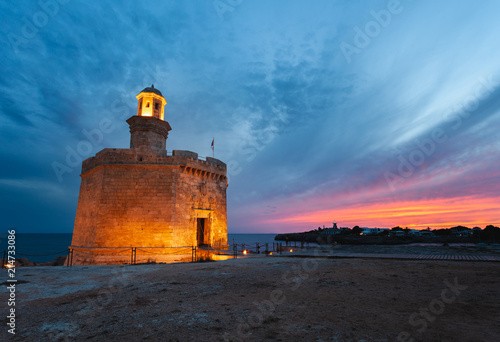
pixel 47 247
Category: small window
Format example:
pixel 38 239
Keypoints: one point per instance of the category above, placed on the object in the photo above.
pixel 156 106
pixel 147 104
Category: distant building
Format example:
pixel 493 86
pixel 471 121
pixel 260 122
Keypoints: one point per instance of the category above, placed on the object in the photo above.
pixel 331 231
pixel 424 233
pixel 373 231
pixel 461 231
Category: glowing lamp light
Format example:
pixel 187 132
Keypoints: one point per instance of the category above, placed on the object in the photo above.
pixel 9 266
pixel 151 104
pixel 271 253
pixel 245 252
pixel 291 250
pixel 147 109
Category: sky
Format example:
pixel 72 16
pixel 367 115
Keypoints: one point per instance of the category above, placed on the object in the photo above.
pixel 369 113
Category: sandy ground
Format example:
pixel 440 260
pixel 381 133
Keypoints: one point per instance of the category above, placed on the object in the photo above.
pixel 259 299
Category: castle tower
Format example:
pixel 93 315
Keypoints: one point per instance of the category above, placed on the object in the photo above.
pixel 148 130
pixel 147 200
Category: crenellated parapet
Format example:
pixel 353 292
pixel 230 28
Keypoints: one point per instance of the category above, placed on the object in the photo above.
pixel 188 162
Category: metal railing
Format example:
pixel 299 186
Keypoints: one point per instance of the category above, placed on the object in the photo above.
pixel 234 250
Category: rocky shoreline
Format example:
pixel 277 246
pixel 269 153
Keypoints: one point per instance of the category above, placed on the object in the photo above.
pixel 371 240
pixel 59 261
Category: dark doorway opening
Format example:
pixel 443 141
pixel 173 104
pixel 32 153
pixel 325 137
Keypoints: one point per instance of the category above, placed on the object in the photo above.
pixel 200 232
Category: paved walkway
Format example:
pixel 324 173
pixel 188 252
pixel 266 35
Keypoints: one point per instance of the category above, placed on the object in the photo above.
pixel 400 256
pixel 417 256
pixel 405 252
pixel 453 252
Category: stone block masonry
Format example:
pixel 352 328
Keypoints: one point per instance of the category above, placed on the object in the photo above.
pixel 142 197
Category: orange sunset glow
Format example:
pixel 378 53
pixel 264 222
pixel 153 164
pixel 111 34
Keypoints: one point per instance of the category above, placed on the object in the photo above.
pixel 439 213
pixel 430 198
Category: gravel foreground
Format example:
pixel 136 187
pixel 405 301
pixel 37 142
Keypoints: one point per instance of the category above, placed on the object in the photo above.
pixel 259 299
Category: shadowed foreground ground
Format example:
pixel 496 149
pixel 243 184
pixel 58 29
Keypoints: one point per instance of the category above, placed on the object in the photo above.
pixel 260 299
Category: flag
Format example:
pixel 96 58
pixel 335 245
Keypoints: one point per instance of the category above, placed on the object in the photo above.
pixel 213 143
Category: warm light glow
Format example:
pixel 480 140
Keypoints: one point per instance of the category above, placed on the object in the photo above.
pixel 147 109
pixel 441 200
pixel 148 105
pixel 245 252
pixel 291 250
pixel 271 253
pixel 221 257
pixel 9 266
pixel 418 214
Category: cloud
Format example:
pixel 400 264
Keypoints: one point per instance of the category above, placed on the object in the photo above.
pixel 27 185
pixel 303 130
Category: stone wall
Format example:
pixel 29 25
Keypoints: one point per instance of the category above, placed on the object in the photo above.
pixel 141 198
pixel 148 132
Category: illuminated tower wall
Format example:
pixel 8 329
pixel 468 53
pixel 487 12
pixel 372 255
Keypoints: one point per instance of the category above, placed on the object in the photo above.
pixel 146 197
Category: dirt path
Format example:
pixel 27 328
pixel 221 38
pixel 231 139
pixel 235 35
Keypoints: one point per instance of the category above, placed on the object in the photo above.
pixel 261 299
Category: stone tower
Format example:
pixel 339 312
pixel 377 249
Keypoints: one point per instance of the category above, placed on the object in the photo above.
pixel 146 133
pixel 145 198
